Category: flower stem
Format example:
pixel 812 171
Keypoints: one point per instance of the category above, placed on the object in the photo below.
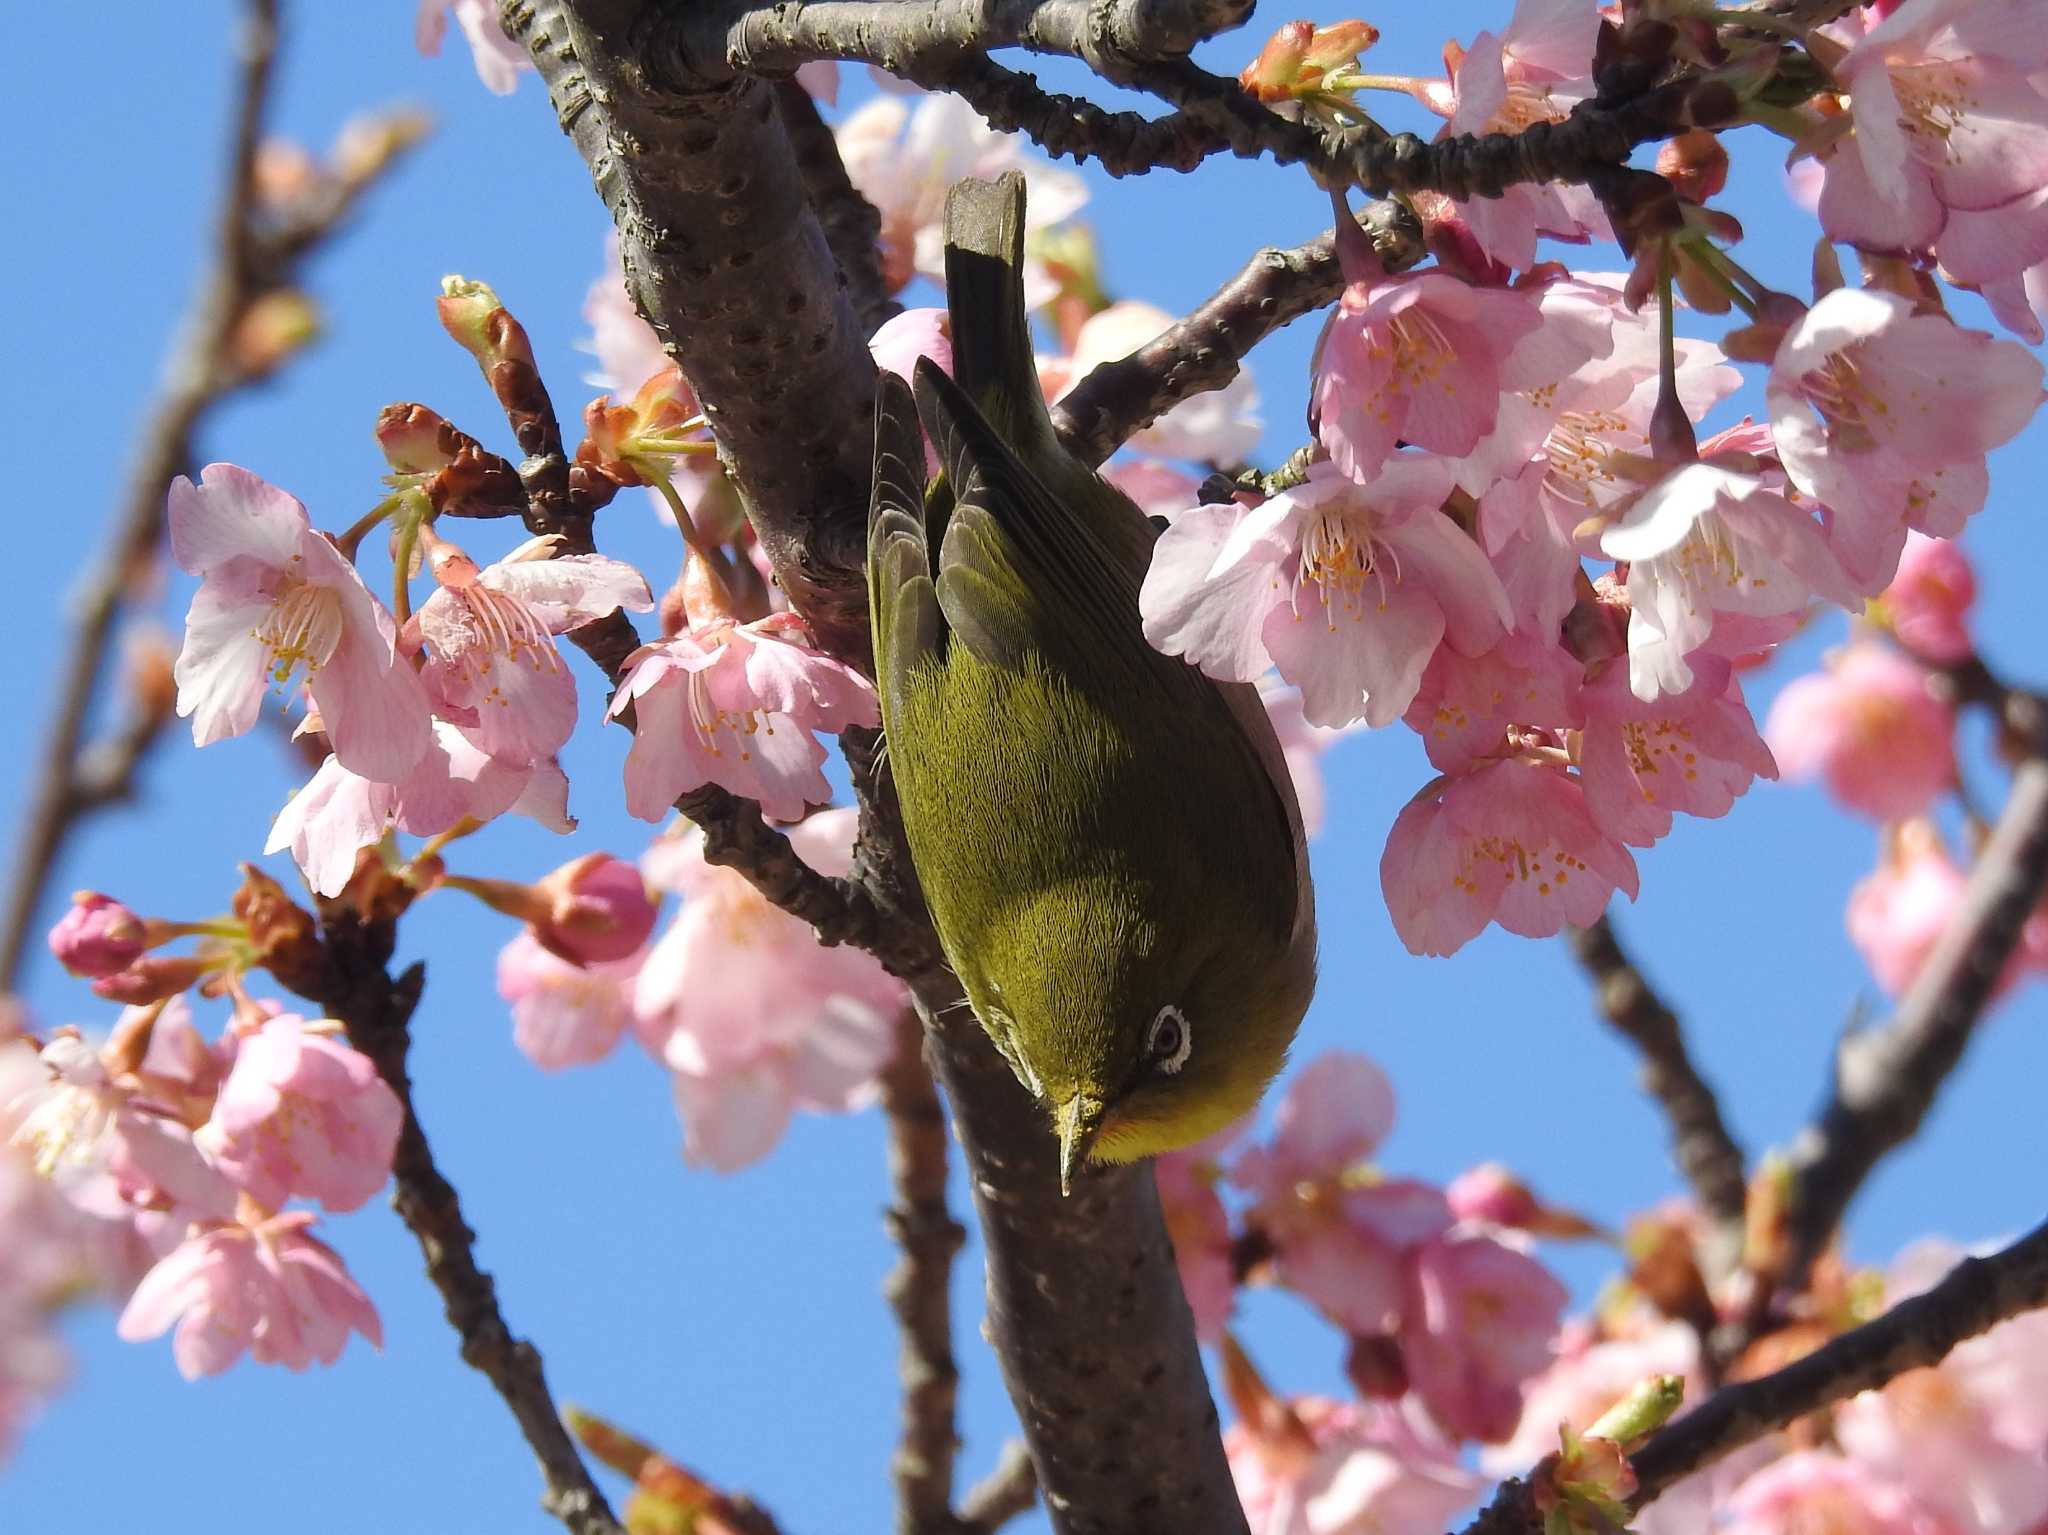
pixel 352 540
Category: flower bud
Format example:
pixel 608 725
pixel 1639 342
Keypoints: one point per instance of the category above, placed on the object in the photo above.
pixel 367 144
pixel 598 910
pixel 281 932
pixel 273 328
pixel 283 174
pixel 97 936
pixel 1928 603
pixel 1298 57
pixel 1695 164
pixel 415 439
pixel 482 326
pixel 154 978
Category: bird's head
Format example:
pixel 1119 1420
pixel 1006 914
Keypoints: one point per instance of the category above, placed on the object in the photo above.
pixel 1137 1037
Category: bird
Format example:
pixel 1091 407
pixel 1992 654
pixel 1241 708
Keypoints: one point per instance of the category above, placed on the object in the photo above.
pixel 1108 841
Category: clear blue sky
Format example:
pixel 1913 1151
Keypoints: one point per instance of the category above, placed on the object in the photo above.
pixel 736 1320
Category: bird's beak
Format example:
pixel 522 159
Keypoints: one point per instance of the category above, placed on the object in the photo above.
pixel 1078 1120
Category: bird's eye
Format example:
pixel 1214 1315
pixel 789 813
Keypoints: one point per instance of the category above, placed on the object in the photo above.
pixel 1169 1040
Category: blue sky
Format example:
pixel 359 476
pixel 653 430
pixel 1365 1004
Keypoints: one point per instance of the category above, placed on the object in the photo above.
pixel 737 1320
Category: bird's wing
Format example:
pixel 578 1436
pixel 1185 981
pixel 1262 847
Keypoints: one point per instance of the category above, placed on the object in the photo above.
pixel 903 607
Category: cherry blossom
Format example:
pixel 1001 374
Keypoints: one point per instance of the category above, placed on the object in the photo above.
pixel 1344 1468
pixel 1347 588
pixel 1477 1319
pixel 565 1014
pixel 1535 70
pixel 1884 415
pixel 1303 745
pixel 903 338
pixel 276 597
pixel 1159 489
pixel 492 666
pixel 1200 1229
pixel 1586 1376
pixel 1709 538
pixel 266 1286
pixel 756 1018
pixel 1869 726
pixel 1942 115
pixel 735 705
pixel 1694 751
pixel 498 58
pixel 337 814
pixel 1514 843
pixel 1421 359
pixel 302 1113
pixel 1928 603
pixel 1816 1490
pixel 1467 706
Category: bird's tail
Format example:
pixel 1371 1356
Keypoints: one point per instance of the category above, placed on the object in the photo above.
pixel 992 349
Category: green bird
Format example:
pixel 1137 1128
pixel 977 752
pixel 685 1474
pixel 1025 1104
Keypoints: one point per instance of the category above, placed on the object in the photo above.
pixel 1108 841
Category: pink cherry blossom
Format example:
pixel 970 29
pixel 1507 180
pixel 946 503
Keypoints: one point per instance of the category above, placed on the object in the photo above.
pixel 107 1148
pixel 1899 911
pixel 1928 603
pixel 337 814
pixel 492 666
pixel 1159 489
pixel 1709 538
pixel 1942 115
pixel 1421 359
pixel 1694 751
pixel 2021 301
pixel 1816 1490
pixel 1336 1237
pixel 565 1014
pixel 735 705
pixel 1870 726
pixel 1963 1436
pixel 1885 415
pixel 1220 426
pixel 270 1288
pixel 903 161
pixel 1347 588
pixel 43 1257
pixel 1477 1320
pixel 1536 70
pixel 903 338
pixel 1466 706
pixel 97 936
pixel 1349 1468
pixel 498 58
pixel 1514 843
pixel 274 597
pixel 302 1113
pixel 756 1018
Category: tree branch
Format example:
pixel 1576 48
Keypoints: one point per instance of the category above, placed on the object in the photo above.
pixel 919 1287
pixel 1005 1493
pixel 1705 1151
pixel 1202 352
pixel 1887 1078
pixel 377 1012
pixel 852 224
pixel 1971 1299
pixel 248 260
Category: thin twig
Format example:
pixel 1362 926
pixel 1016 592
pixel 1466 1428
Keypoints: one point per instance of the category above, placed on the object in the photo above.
pixel 1004 1494
pixel 919 1288
pixel 377 1011
pixel 249 259
pixel 1700 1141
pixel 1886 1078
pixel 1202 351
pixel 1973 1298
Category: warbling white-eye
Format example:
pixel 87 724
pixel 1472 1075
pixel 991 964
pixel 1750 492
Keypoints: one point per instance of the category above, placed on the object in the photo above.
pixel 1107 839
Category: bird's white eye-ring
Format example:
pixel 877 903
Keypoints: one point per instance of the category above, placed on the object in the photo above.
pixel 1170 1040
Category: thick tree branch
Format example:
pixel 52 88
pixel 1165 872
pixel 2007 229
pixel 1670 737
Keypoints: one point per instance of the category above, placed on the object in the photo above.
pixel 852 224
pixel 725 257
pixel 377 1011
pixel 919 1288
pixel 1705 1151
pixel 1886 1078
pixel 1971 1299
pixel 251 256
pixel 1203 351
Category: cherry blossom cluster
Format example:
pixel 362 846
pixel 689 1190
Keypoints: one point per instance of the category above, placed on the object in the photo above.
pixel 1456 1336
pixel 179 1175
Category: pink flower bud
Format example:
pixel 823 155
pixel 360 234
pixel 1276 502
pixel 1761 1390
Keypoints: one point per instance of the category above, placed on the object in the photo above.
pixel 1298 56
pixel 481 325
pixel 97 936
pixel 153 979
pixel 1869 726
pixel 415 439
pixel 598 910
pixel 1492 1194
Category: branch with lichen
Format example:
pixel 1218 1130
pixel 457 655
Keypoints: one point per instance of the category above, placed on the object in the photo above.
pixel 256 257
